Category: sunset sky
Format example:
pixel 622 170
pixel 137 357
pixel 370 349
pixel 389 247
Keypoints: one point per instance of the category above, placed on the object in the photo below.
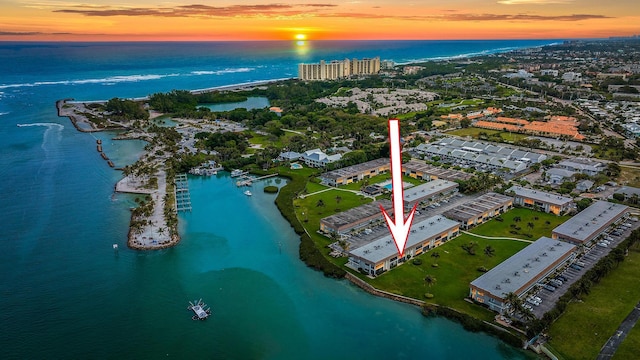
pixel 107 20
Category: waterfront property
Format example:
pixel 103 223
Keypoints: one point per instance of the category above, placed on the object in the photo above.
pixel 547 202
pixel 521 272
pixel 430 191
pixel 424 171
pixel 350 174
pixel 317 158
pixel 338 69
pixel 590 223
pixel 355 218
pixel 289 156
pixel 479 210
pixel 381 255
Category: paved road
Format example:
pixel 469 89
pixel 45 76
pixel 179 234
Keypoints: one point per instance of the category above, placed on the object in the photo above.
pixel 616 339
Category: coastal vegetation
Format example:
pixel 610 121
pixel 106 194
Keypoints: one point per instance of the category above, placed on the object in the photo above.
pixel 271 189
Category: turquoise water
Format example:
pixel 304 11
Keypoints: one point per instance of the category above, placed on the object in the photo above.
pixel 67 295
pixel 256 102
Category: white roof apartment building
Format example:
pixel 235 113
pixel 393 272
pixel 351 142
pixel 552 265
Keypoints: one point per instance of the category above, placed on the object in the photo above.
pixel 519 273
pixel 547 202
pixel 590 223
pixel 381 255
pixel 429 191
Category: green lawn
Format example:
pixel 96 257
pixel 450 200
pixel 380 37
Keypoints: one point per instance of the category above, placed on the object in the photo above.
pixel 310 213
pixel 456 269
pixel 266 140
pixel 585 326
pixel 540 226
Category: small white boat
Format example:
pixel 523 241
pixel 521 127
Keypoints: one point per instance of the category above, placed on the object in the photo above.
pixel 248 193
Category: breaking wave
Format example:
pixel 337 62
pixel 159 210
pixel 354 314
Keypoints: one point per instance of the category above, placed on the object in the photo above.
pixel 222 72
pixel 105 81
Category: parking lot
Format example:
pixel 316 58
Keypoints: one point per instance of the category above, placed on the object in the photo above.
pixel 572 274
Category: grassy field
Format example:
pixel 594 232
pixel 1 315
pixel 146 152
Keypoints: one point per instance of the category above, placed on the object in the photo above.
pixel 266 140
pixel 542 222
pixel 315 207
pixel 456 269
pixel 585 326
pixel 629 176
pixel 475 132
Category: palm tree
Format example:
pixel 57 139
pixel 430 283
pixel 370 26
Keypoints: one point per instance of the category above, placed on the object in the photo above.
pixel 430 280
pixel 530 224
pixel 489 252
pixel 435 255
pixel 513 302
pixel 320 203
pixel 338 199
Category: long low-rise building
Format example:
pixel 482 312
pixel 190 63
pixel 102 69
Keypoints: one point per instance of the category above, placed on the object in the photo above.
pixel 519 273
pixel 382 254
pixel 424 171
pixel 477 211
pixel 547 202
pixel 350 174
pixel 590 223
pixel 355 218
pixel 430 191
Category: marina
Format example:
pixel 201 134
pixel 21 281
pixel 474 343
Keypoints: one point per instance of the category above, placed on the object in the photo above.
pixel 183 197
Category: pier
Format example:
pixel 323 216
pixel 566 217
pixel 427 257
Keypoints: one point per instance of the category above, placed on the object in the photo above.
pixel 245 180
pixel 183 197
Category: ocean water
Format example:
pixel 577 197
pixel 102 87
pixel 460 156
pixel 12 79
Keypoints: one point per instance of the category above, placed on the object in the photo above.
pixel 67 294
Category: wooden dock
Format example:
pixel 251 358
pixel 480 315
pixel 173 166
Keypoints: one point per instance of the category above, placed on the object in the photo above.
pixel 183 197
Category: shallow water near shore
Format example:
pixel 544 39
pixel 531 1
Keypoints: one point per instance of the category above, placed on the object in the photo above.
pixel 67 294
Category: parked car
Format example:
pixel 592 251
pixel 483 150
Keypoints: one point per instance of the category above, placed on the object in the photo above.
pixel 549 287
pixel 580 263
pixel 576 267
pixel 601 244
pixel 562 278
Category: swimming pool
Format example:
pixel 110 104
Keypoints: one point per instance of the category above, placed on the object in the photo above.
pixel 296 166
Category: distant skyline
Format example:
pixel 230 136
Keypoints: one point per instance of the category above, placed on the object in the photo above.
pixel 183 20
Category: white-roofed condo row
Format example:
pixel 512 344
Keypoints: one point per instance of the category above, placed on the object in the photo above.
pixel 521 272
pixel 479 210
pixel 350 174
pixel 382 255
pixel 590 223
pixel 355 218
pixel 429 192
pixel 547 202
pixel 487 157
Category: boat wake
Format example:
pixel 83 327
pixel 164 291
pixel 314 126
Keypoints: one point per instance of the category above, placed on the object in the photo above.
pixel 49 125
pixel 4 113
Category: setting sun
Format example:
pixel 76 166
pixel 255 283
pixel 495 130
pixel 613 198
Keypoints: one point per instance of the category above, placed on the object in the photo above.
pixel 301 37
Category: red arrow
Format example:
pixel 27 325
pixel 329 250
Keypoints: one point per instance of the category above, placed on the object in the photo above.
pixel 399 227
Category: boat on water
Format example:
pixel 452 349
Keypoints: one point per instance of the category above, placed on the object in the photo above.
pixel 248 193
pixel 200 309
